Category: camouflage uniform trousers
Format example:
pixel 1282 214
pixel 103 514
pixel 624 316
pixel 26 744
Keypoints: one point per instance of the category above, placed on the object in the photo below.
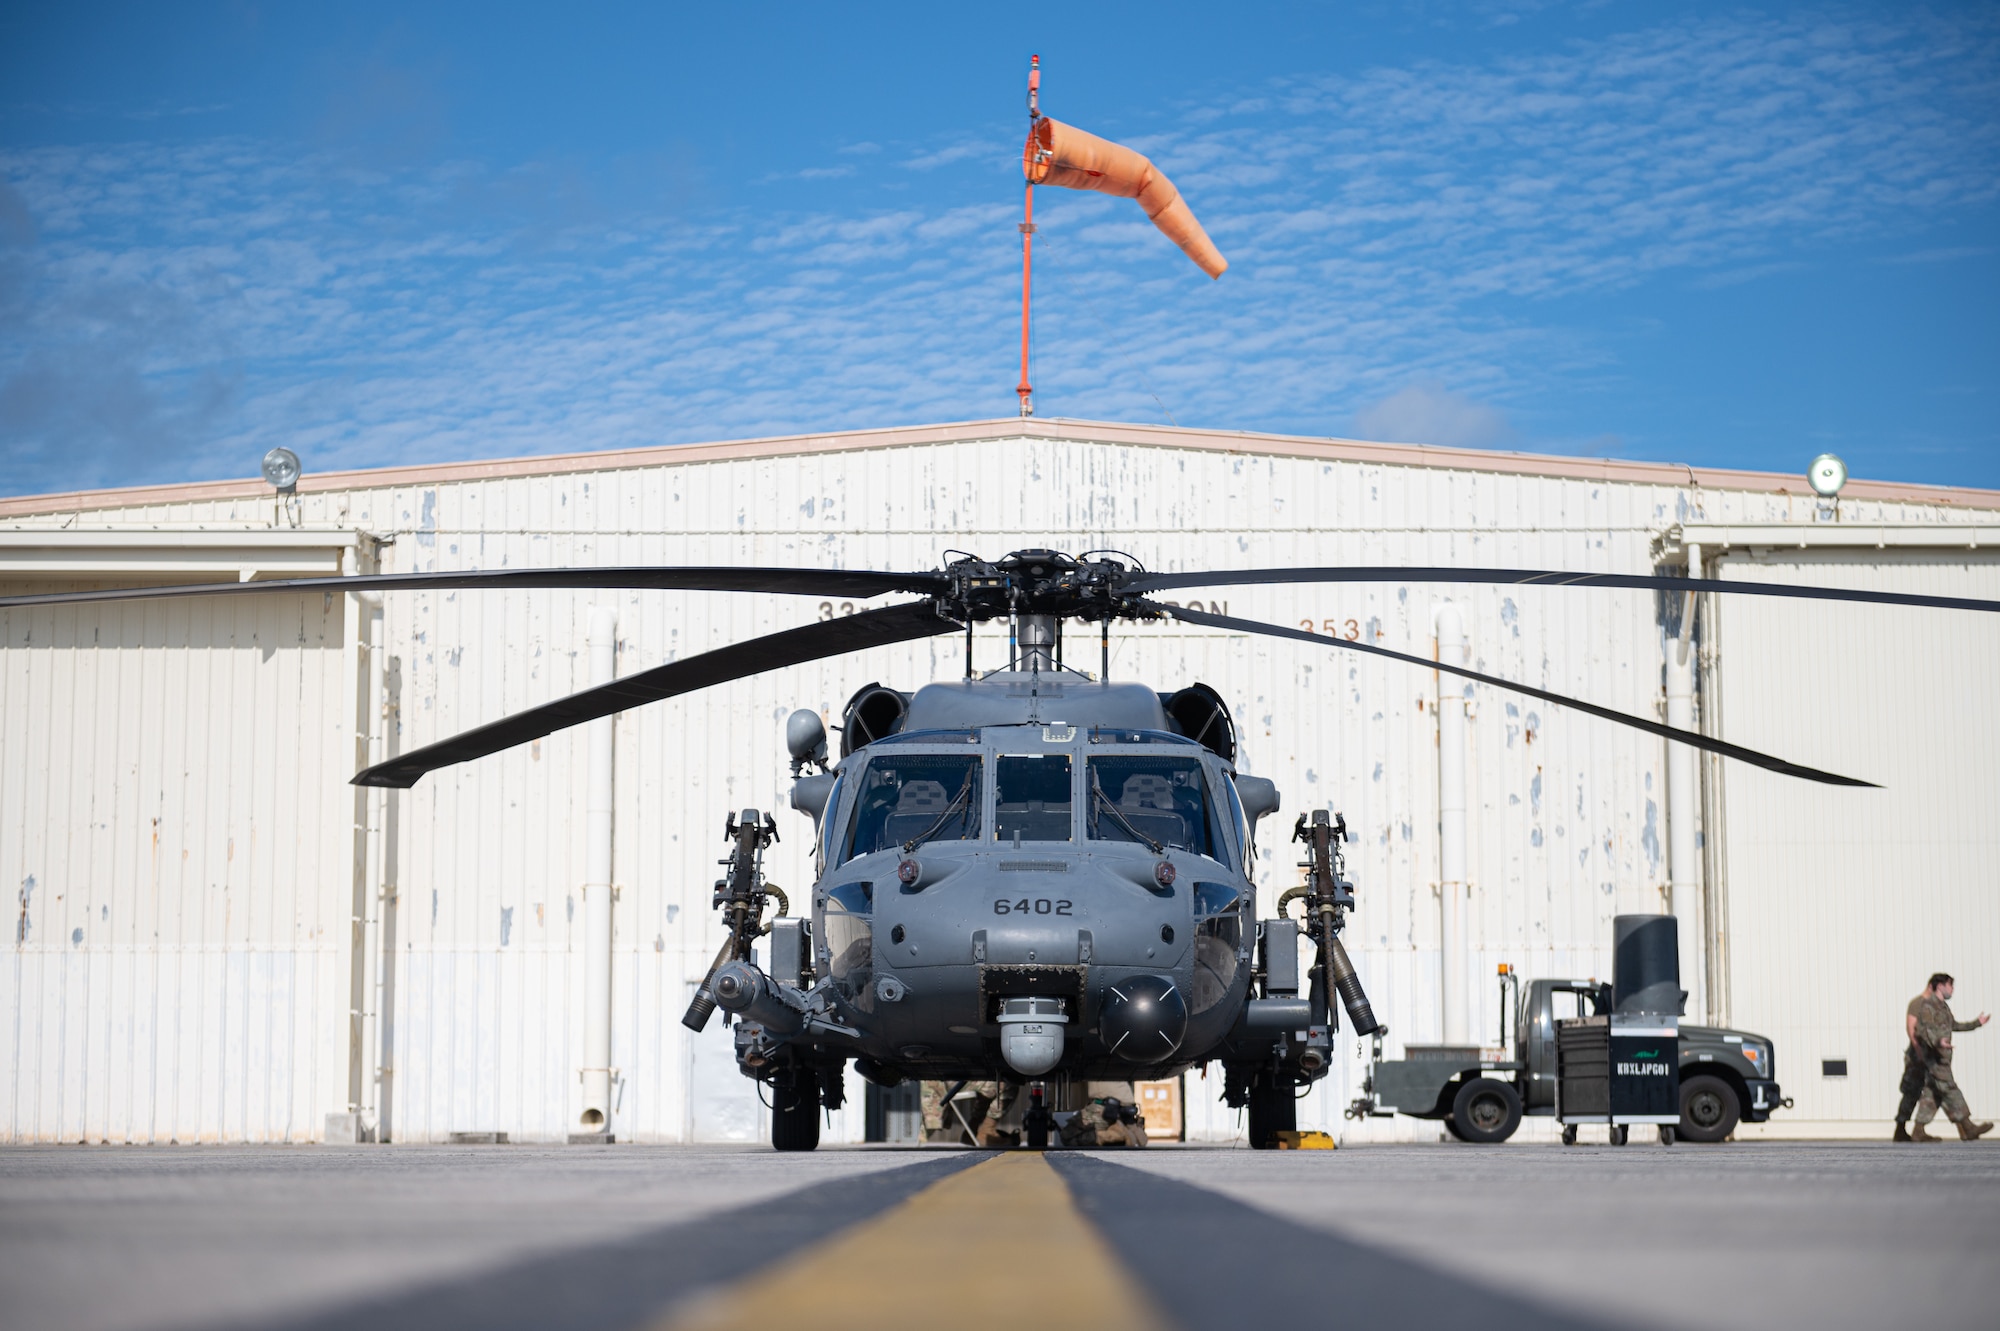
pixel 1929 1086
pixel 988 1103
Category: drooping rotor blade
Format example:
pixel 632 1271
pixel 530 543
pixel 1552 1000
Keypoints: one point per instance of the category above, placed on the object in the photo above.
pixel 1251 577
pixel 789 581
pixel 830 637
pixel 1726 749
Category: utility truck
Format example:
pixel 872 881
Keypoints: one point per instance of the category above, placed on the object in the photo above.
pixel 1480 1094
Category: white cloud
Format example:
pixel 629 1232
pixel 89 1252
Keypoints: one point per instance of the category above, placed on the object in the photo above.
pixel 1430 413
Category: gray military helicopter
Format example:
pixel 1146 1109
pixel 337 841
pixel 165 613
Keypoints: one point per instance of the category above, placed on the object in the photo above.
pixel 1032 873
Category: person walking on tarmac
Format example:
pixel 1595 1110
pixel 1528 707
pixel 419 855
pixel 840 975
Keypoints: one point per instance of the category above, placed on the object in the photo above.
pixel 1928 1084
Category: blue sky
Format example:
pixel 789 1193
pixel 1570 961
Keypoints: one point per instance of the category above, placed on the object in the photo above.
pixel 1725 235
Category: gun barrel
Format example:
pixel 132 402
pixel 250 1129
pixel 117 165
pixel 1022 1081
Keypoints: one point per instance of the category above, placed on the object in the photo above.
pixel 702 1006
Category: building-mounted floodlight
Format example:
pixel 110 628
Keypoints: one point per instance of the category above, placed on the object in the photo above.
pixel 282 470
pixel 1826 474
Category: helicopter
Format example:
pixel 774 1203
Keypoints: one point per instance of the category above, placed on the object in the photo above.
pixel 1033 873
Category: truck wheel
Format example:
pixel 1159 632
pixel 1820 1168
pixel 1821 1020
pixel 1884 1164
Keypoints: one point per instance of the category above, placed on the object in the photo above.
pixel 1273 1109
pixel 1620 1133
pixel 1569 1134
pixel 1709 1109
pixel 795 1111
pixel 1486 1111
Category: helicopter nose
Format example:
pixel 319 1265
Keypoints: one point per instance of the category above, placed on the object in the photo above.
pixel 1144 1018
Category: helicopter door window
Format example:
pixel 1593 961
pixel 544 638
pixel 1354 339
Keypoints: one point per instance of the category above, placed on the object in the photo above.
pixel 1151 799
pixel 1218 936
pixel 848 926
pixel 920 797
pixel 1032 795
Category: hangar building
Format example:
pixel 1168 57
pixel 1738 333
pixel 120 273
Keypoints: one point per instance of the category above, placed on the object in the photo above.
pixel 217 938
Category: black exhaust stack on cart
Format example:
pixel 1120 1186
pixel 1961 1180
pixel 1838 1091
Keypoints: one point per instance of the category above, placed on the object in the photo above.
pixel 1623 1066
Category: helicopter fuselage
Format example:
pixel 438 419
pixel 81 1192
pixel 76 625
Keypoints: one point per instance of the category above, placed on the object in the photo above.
pixel 1023 836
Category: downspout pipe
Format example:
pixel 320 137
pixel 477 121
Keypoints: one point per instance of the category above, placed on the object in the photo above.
pixel 1452 887
pixel 1684 798
pixel 594 1119
pixel 381 874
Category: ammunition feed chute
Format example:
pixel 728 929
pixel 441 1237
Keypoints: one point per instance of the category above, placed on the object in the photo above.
pixel 1329 896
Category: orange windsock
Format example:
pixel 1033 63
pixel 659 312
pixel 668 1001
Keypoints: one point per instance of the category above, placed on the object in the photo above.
pixel 1059 154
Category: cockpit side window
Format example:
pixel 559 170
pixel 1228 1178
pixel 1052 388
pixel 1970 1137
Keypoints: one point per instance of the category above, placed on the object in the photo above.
pixel 1137 797
pixel 1242 823
pixel 829 831
pixel 906 797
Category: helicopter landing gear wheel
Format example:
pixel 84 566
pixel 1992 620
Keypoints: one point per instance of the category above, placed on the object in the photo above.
pixel 795 1110
pixel 1273 1109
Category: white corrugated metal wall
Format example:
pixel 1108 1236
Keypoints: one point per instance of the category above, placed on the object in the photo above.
pixel 1566 824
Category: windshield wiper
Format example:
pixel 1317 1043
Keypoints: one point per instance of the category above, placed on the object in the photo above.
pixel 1102 800
pixel 957 802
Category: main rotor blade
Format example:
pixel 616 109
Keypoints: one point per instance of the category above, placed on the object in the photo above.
pixel 1251 577
pixel 789 581
pixel 830 637
pixel 1727 750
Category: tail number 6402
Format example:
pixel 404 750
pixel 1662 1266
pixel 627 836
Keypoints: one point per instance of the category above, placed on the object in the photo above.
pixel 1031 906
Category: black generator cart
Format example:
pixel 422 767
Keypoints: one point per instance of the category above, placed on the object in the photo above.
pixel 1720 1077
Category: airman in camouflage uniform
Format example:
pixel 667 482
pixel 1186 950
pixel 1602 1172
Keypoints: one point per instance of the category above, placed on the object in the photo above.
pixel 984 1103
pixel 1928 1084
pixel 1112 1118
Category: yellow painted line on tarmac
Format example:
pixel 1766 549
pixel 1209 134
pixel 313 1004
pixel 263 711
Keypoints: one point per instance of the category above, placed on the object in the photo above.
pixel 1002 1239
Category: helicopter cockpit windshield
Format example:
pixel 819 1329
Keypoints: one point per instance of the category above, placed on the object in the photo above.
pixel 1032 794
pixel 1143 798
pixel 919 797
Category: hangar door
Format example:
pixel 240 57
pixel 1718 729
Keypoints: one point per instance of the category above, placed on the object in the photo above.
pixel 176 835
pixel 1834 905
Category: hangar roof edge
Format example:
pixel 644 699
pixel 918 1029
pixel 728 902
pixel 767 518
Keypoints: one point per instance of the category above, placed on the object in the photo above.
pixel 1045 427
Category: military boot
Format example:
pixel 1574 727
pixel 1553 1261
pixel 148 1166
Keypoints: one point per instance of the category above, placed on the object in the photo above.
pixel 1902 1133
pixel 1971 1131
pixel 1918 1134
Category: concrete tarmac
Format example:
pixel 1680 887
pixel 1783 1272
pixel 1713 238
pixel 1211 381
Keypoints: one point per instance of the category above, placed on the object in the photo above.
pixel 1773 1234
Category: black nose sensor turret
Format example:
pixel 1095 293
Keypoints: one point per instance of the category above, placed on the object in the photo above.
pixel 1143 1019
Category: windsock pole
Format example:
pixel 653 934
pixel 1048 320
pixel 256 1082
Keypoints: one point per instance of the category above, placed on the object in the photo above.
pixel 1026 391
